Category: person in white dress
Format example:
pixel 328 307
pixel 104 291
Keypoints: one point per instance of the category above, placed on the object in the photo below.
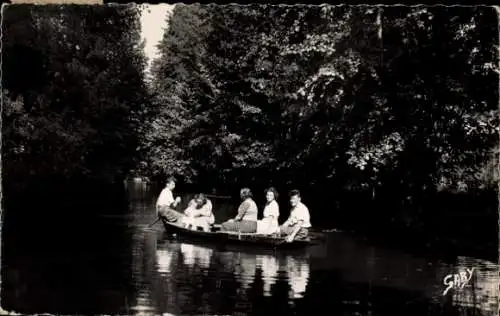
pixel 269 225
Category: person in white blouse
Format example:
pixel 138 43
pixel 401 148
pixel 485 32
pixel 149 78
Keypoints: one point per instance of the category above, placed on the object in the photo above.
pixel 166 203
pixel 268 225
pixel 199 213
pixel 298 223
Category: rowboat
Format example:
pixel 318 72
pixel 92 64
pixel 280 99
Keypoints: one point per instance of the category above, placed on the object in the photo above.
pixel 221 238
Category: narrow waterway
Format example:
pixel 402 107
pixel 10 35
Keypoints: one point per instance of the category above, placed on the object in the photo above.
pixel 124 267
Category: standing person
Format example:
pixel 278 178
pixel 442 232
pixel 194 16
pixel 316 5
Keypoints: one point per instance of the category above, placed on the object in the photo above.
pixel 199 213
pixel 298 223
pixel 246 220
pixel 269 223
pixel 166 204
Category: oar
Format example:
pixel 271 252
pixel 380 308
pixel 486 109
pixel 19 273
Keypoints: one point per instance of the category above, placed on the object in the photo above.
pixel 151 225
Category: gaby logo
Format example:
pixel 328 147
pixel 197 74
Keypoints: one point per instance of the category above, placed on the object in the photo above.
pixel 457 280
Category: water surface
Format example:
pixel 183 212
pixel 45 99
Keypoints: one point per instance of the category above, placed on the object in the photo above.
pixel 122 267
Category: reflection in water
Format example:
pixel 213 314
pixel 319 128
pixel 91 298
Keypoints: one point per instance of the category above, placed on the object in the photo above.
pixel 346 276
pixel 483 288
pixel 164 259
pixel 198 273
pixel 296 268
pixel 269 266
pixel 243 266
pixel 120 267
pixel 196 255
pixel 298 275
pixel 142 259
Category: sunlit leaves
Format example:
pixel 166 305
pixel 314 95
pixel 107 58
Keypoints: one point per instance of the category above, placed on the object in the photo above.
pixel 378 155
pixel 181 86
pixel 482 123
pixel 254 155
pixel 371 92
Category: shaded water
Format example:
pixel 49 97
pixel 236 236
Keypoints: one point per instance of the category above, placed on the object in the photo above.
pixel 122 267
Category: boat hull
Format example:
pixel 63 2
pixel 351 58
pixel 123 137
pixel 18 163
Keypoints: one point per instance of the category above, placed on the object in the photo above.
pixel 223 238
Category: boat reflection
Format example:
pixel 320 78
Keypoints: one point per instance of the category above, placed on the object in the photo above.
pixel 195 255
pixel 349 275
pixel 296 271
pixel 240 265
pixel 190 275
pixel 243 266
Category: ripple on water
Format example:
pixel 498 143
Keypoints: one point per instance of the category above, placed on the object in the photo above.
pixel 345 273
pixel 481 292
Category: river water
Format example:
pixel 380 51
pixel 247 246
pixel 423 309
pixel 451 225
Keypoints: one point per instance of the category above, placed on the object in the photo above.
pixel 125 267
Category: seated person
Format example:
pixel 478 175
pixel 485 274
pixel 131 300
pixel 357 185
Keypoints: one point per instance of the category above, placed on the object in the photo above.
pixel 199 213
pixel 246 220
pixel 268 225
pixel 165 205
pixel 298 223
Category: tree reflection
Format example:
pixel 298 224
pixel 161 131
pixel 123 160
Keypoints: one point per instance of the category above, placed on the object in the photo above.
pixel 143 244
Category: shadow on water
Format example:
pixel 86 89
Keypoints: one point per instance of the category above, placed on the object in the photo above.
pixel 121 267
pixel 63 254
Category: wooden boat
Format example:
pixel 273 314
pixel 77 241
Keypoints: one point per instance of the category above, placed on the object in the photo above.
pixel 220 238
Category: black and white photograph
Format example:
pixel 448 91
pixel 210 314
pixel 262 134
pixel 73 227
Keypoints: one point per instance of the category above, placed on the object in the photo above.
pixel 260 159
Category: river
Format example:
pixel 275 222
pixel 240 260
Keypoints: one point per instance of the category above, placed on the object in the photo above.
pixel 125 267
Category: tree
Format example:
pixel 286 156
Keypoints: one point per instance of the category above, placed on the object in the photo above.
pixel 330 96
pixel 78 112
pixel 180 86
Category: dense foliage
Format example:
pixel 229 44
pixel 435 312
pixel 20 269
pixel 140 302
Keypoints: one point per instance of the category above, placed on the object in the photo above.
pixel 364 98
pixel 389 101
pixel 73 92
pixel 363 108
